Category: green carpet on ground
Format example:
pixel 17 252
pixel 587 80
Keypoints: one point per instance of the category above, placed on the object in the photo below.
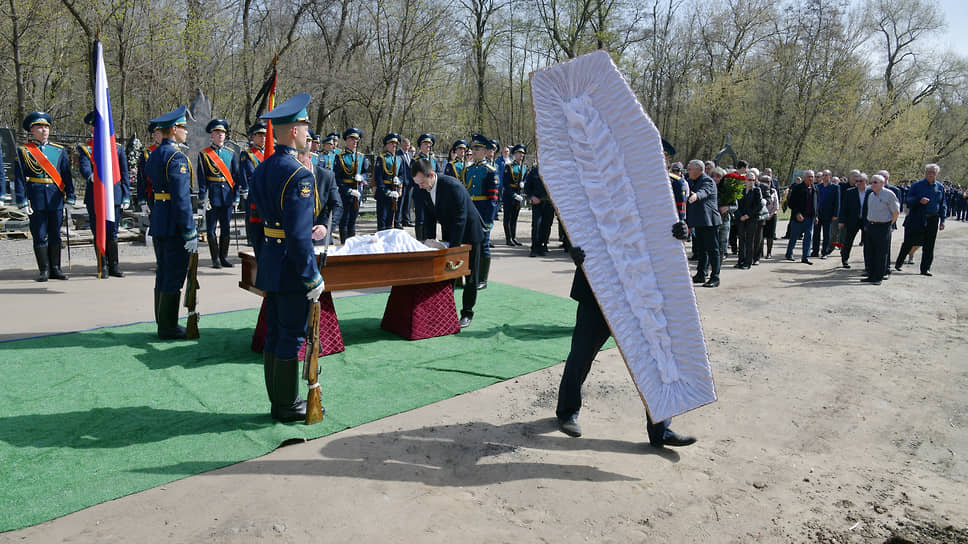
pixel 91 416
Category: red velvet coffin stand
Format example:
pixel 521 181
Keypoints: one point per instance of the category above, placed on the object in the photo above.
pixel 413 312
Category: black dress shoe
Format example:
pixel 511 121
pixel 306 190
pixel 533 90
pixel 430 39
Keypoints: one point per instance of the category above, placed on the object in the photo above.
pixel 897 267
pixel 465 322
pixel 570 427
pixel 806 261
pixel 711 283
pixel 533 253
pixel 790 258
pixel 823 257
pixel 671 438
pixel 846 265
pixel 698 279
pixel 926 273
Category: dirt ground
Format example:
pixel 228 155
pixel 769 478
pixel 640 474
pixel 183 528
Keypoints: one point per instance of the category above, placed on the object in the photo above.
pixel 841 419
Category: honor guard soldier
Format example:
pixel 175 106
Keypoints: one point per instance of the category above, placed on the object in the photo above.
pixel 172 222
pixel 456 163
pixel 387 183
pixel 514 174
pixel 480 179
pixel 425 148
pixel 218 189
pixel 328 146
pixel 284 193
pixel 143 184
pixel 42 185
pixel 314 147
pixel 542 212
pixel 350 168
pixel 122 199
pixel 251 159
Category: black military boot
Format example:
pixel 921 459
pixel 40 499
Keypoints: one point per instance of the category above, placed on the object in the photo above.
pixel 485 269
pixel 98 258
pixel 342 235
pixel 268 367
pixel 223 247
pixel 213 251
pixel 54 253
pixel 157 298
pixel 168 327
pixel 112 259
pixel 43 262
pixel 507 234
pixel 418 232
pixel 286 403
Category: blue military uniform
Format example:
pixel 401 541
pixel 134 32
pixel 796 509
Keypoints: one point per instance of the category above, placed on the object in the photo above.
pixel 350 168
pixel 285 195
pixel 419 209
pixel 219 189
pixel 455 167
pixel 250 160
pixel 328 158
pixel 122 198
pixel 172 224
pixel 480 179
pixel 388 184
pixel 514 176
pixel 42 181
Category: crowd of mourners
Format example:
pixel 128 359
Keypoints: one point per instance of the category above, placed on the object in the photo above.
pixel 828 214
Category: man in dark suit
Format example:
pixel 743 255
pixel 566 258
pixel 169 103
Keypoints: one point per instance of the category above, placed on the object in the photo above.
pixel 702 214
pixel 447 202
pixel 851 219
pixel 803 204
pixel 829 199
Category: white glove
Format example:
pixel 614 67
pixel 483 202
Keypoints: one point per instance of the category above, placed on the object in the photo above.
pixel 191 246
pixel 30 211
pixel 208 205
pixel 354 193
pixel 518 197
pixel 397 182
pixel 358 177
pixel 145 209
pixel 313 294
pixel 125 204
pixel 394 194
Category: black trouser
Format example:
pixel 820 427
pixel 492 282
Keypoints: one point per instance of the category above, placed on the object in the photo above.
pixel 590 334
pixel 927 235
pixel 747 241
pixel 850 233
pixel 707 246
pixel 877 247
pixel 542 215
pixel 469 297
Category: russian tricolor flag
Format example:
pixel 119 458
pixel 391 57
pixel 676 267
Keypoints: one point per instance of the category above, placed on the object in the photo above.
pixel 107 171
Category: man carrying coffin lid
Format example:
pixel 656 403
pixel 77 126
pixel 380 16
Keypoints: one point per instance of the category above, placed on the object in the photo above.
pixel 172 222
pixel 122 199
pixel 219 190
pixel 591 332
pixel 284 193
pixel 252 158
pixel 351 169
pixel 42 185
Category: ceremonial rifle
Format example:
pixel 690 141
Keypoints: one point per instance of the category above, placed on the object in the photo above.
pixel 67 224
pixel 191 297
pixel 314 404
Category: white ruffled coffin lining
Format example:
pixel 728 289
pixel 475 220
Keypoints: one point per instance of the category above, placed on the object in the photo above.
pixel 601 159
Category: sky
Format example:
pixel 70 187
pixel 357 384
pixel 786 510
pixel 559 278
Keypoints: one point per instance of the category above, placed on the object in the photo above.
pixel 956 35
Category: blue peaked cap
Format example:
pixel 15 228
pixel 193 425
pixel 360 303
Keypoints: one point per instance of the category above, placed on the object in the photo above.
pixel 172 118
pixel 36 118
pixel 290 111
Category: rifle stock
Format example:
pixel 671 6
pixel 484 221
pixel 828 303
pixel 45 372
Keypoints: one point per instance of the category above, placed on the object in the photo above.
pixel 191 298
pixel 314 404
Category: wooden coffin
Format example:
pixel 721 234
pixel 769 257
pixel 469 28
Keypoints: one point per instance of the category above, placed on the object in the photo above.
pixel 344 272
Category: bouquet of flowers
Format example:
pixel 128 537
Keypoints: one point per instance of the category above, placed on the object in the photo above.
pixel 731 188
